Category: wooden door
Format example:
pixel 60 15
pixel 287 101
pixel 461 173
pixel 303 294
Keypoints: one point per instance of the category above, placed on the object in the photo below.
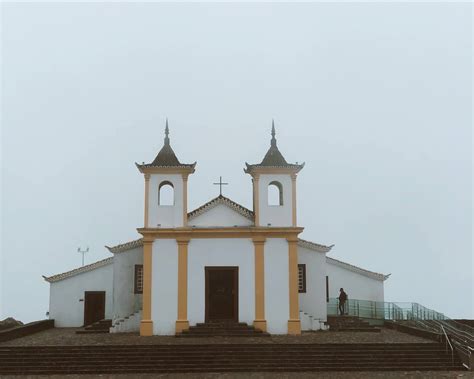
pixel 222 293
pixel 94 306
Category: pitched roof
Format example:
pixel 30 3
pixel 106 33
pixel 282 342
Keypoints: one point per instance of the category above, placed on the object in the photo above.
pixel 166 156
pixel 314 246
pixel 273 158
pixel 80 270
pixel 247 213
pixel 125 246
pixel 358 270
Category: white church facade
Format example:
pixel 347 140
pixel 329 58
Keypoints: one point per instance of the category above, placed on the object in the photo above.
pixel 220 261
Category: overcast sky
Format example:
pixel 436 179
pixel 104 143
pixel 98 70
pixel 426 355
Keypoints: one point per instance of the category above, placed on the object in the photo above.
pixel 375 98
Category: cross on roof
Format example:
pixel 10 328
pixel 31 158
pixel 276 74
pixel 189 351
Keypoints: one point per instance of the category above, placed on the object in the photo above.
pixel 220 184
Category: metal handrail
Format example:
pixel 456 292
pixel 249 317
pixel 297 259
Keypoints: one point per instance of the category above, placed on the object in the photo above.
pixel 448 341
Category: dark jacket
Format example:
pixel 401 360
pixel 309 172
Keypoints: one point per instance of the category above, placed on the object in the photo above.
pixel 342 297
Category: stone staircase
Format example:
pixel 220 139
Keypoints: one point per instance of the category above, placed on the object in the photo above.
pixel 350 324
pixel 219 358
pixel 101 326
pixel 222 329
pixel 127 324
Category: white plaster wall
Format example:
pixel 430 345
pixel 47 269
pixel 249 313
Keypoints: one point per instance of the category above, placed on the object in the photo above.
pixel 313 302
pixel 221 252
pixel 164 301
pixel 65 306
pixel 125 301
pixel 167 215
pixel 356 286
pixel 220 215
pixel 274 214
pixel 277 292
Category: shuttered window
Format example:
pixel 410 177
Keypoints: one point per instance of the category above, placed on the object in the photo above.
pixel 138 279
pixel 301 278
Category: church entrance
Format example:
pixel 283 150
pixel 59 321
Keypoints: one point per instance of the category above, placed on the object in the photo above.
pixel 222 293
pixel 94 306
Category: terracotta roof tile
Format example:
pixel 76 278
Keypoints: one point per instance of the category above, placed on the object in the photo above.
pixel 247 213
pixel 80 270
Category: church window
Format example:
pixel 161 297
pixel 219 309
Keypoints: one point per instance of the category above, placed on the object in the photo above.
pixel 302 278
pixel 166 193
pixel 275 193
pixel 138 279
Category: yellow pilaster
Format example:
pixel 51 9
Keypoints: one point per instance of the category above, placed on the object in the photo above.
pixel 293 192
pixel 147 191
pixel 256 200
pixel 259 321
pixel 185 199
pixel 294 325
pixel 146 325
pixel 182 322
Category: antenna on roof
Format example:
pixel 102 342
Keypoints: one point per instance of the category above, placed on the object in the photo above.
pixel 83 252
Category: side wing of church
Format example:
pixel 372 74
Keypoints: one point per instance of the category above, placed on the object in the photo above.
pixel 220 262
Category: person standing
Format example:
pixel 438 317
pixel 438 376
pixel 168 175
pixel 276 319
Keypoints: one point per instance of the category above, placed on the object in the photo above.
pixel 342 301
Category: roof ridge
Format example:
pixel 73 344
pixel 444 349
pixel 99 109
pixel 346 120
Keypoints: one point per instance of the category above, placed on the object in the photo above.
pixel 361 270
pixel 315 246
pixel 76 271
pixel 221 199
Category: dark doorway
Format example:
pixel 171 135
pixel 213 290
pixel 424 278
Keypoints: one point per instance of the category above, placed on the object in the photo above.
pixel 94 306
pixel 222 293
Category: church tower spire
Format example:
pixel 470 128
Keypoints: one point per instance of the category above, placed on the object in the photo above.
pixel 274 175
pixel 274 141
pixel 166 181
pixel 167 132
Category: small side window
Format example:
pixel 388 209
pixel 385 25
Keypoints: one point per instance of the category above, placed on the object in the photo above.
pixel 138 287
pixel 302 278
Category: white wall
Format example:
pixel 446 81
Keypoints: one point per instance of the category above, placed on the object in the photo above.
pixel 277 292
pixel 274 214
pixel 164 298
pixel 125 300
pixel 65 306
pixel 357 286
pixel 220 215
pixel 167 215
pixel 221 252
pixel 313 302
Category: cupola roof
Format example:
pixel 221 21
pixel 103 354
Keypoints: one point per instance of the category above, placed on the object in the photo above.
pixel 166 157
pixel 273 159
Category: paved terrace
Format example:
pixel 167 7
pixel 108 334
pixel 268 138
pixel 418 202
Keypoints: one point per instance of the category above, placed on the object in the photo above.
pixel 68 336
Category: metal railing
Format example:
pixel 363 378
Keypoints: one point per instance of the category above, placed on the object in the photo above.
pixel 460 337
pixel 383 310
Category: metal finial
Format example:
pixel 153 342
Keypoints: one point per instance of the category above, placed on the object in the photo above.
pixel 273 133
pixel 167 132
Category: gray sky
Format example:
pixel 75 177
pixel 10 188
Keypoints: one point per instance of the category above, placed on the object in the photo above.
pixel 375 98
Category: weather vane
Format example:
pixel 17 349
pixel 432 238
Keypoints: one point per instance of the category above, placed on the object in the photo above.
pixel 83 252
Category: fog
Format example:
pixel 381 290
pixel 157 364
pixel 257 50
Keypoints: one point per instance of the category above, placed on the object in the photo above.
pixel 375 98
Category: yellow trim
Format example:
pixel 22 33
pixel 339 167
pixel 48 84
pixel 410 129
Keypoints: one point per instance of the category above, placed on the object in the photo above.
pixel 256 199
pixel 274 170
pixel 227 232
pixel 294 325
pixel 147 191
pixel 185 199
pixel 146 325
pixel 166 170
pixel 259 322
pixel 182 322
pixel 293 192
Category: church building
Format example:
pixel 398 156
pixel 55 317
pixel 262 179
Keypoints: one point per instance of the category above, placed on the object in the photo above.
pixel 220 261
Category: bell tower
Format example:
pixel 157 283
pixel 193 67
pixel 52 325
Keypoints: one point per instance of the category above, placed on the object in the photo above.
pixel 166 188
pixel 274 188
